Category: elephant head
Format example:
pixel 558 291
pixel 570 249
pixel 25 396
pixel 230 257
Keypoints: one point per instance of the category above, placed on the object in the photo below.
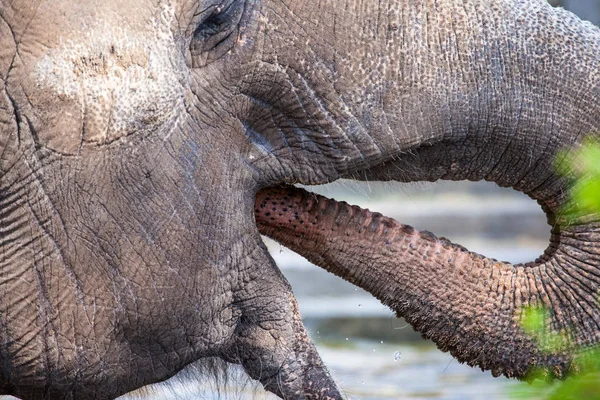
pixel 135 135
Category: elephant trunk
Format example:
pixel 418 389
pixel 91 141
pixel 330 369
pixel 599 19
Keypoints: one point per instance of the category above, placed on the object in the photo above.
pixel 466 303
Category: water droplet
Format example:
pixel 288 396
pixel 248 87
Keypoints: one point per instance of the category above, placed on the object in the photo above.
pixel 356 289
pixel 346 338
pixel 397 356
pixel 382 342
pixel 360 305
pixel 373 350
pixel 363 382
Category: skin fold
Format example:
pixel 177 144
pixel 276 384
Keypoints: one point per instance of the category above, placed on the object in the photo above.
pixel 135 135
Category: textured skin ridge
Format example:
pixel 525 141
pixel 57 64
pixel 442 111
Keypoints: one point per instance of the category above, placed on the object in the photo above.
pixel 439 286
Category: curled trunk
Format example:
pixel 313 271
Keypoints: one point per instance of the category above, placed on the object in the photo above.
pixel 466 303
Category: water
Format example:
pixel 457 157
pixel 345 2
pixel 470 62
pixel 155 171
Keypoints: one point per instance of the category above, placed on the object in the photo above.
pixel 394 371
pixel 413 372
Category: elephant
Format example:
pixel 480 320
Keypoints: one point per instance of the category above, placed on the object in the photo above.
pixel 135 136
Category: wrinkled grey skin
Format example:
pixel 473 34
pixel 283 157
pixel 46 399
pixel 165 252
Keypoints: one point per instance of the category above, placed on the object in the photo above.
pixel 134 136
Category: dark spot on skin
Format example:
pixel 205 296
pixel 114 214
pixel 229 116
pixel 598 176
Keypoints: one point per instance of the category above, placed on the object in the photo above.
pixel 387 243
pixel 426 235
pixel 267 214
pixel 374 225
pixel 412 246
pixel 284 209
pixel 112 49
pixel 461 248
pixel 407 229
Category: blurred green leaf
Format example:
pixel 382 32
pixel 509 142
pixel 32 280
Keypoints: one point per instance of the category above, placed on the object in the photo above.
pixel 589 157
pixel 582 167
pixel 533 320
pixel 586 195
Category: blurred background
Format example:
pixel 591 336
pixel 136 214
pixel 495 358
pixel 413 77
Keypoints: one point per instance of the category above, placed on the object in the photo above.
pixel 372 354
pixel 586 9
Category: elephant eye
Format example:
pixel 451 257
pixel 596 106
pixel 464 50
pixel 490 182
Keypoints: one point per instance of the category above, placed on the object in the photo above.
pixel 216 21
pixel 216 34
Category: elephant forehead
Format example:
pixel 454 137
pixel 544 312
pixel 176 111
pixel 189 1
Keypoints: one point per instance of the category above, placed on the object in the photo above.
pixel 113 80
